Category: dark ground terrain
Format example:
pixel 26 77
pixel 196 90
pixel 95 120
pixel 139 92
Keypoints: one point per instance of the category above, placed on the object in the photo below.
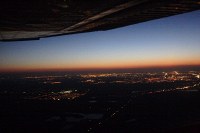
pixel 153 107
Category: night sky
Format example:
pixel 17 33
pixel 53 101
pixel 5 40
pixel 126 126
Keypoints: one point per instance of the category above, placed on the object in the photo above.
pixel 168 41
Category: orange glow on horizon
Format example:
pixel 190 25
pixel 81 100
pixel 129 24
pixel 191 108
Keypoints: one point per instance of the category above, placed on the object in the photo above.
pixel 103 64
pixel 112 65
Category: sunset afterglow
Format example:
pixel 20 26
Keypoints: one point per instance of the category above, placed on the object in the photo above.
pixel 165 42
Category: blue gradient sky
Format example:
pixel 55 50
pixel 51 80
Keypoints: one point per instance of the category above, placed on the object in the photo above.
pixel 164 42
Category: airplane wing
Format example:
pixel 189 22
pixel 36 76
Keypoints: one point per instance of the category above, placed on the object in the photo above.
pixel 35 19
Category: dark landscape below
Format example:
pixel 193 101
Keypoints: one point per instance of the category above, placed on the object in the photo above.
pixel 118 102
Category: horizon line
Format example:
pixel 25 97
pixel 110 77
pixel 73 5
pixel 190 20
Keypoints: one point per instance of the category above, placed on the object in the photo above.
pixel 97 69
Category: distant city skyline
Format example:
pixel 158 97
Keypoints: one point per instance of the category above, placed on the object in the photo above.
pixel 171 41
